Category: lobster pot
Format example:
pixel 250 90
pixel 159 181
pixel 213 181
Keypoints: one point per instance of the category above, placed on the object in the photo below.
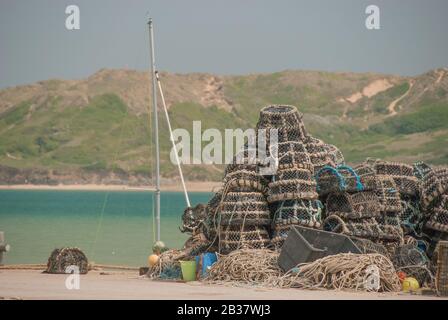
pixel 335 155
pixel 413 261
pixel 388 195
pixel 353 206
pixel 439 218
pixel 283 148
pixel 60 259
pixel 402 174
pixel 411 217
pixel 291 159
pixel 319 155
pixel 233 237
pixel 343 178
pixel 363 228
pixel 244 208
pixel 367 176
pixel 193 217
pixel 367 246
pixel 307 213
pixel 421 169
pixel 284 134
pixel 434 185
pixel 279 235
pixel 282 116
pixel 245 180
pixel 442 269
pixel 245 159
pixel 290 184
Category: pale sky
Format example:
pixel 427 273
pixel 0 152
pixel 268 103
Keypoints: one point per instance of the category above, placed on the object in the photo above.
pixel 222 37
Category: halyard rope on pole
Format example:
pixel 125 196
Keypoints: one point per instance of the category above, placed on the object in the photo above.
pixel 187 199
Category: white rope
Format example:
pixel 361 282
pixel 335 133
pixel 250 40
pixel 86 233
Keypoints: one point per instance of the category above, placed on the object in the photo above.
pixel 187 199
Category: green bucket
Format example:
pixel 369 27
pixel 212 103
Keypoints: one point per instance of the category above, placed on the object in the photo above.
pixel 188 270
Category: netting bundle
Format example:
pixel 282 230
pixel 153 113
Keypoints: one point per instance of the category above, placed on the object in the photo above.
pixel 439 218
pixel 61 260
pixel 290 184
pixel 353 206
pixel 234 237
pixel 244 208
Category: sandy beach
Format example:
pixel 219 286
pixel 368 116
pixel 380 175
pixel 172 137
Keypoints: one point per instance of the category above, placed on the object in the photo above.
pixel 33 284
pixel 195 186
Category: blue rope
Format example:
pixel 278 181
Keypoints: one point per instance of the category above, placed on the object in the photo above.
pixel 342 185
pixel 359 186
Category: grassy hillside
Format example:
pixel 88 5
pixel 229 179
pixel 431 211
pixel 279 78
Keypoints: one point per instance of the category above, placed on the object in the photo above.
pixel 101 124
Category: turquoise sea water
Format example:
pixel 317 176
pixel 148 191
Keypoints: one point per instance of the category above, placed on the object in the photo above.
pixel 110 227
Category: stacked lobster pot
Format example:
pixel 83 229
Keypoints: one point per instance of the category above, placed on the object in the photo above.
pixel 353 205
pixel 323 154
pixel 292 190
pixel 293 197
pixel 242 215
pixel 434 201
pixel 408 187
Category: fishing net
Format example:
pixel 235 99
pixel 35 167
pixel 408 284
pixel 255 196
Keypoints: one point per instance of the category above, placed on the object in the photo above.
pixel 192 218
pixel 344 271
pixel 197 244
pixel 234 237
pixel 290 184
pixel 168 265
pixel 61 259
pixel 244 208
pixel 413 261
pixel 439 217
pixel 257 267
pixel 353 206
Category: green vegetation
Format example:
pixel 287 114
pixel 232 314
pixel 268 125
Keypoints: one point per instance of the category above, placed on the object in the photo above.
pixel 106 135
pixel 427 118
